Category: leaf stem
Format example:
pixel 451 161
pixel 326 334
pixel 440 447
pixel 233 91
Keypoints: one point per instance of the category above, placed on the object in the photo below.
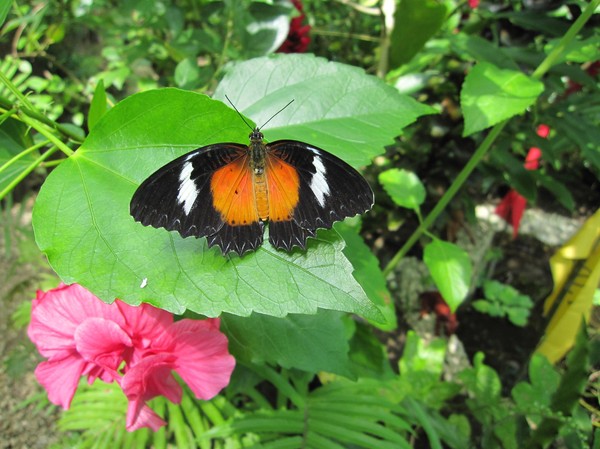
pixel 540 71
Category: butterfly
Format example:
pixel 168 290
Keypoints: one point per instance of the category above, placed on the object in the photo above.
pixel 226 192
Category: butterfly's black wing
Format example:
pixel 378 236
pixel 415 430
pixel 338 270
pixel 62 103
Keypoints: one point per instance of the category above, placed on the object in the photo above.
pixel 181 197
pixel 329 190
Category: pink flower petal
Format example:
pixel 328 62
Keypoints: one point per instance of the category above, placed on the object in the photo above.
pixel 152 377
pixel 60 379
pixel 57 313
pixel 203 361
pixel 102 342
pixel 145 323
pixel 139 415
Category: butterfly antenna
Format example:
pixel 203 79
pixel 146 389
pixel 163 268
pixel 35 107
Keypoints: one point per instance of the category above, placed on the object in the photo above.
pixel 240 114
pixel 274 115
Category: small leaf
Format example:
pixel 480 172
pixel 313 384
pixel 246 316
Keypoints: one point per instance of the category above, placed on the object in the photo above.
pixel 5 6
pixel 404 187
pixel 481 305
pixel 310 343
pixel 450 268
pixel 490 95
pixel 517 315
pixel 187 74
pixel 98 106
pixel 415 22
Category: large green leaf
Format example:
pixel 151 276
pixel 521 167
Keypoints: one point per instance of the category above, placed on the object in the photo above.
pixel 336 107
pixel 311 343
pixel 82 221
pixel 490 95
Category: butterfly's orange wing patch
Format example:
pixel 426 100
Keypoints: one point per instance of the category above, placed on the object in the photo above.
pixel 284 188
pixel 233 193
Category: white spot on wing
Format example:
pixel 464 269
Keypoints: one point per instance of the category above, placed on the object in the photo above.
pixel 188 192
pixel 318 183
pixel 144 282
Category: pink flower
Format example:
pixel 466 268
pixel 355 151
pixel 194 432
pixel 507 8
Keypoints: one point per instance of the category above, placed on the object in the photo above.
pixel 138 347
pixel 298 38
pixel 473 3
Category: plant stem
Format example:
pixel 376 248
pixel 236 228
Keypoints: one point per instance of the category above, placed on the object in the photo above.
pixel 41 128
pixel 7 105
pixel 23 153
pixel 28 170
pixel 571 34
pixel 452 190
pixel 544 66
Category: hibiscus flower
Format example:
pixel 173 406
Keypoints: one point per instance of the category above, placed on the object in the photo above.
pixel 137 347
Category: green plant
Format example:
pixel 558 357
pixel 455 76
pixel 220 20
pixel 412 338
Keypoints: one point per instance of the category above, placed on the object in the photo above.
pixel 501 300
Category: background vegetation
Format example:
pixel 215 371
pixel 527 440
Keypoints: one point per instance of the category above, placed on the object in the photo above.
pixel 445 98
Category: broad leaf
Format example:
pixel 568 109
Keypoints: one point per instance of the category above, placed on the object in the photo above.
pixel 336 107
pixel 404 187
pixel 490 95
pixel 82 221
pixel 450 268
pixel 311 343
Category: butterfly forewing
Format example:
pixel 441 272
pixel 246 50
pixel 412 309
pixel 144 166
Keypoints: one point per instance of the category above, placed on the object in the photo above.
pixel 181 196
pixel 326 189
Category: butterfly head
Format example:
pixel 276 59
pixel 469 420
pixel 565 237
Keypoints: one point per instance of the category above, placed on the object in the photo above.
pixel 256 136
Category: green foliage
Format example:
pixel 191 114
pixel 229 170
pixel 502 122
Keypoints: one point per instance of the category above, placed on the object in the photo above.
pixel 404 187
pixel 415 22
pixel 502 300
pixel 70 62
pixel 450 267
pixel 490 95
pixel 122 150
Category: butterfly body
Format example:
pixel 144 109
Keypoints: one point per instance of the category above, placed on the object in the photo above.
pixel 227 192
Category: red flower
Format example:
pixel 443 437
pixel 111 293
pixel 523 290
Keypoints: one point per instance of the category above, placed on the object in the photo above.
pixel 543 130
pixel 513 204
pixel 511 209
pixel 532 161
pixel 473 3
pixel 298 39
pixel 138 347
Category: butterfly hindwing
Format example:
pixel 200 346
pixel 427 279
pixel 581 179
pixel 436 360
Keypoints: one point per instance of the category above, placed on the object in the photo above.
pixel 203 193
pixel 325 190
